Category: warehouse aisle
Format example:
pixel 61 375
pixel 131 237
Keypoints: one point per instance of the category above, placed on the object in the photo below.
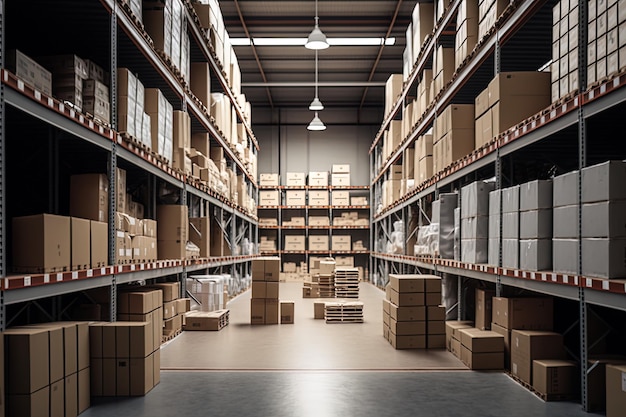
pixel 306 344
pixel 316 369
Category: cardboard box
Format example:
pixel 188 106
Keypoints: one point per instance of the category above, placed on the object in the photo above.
pixel 257 311
pixel 200 82
pixel 406 283
pixel 269 198
pixel 272 311
pixel 483 308
pixel 317 178
pixel 407 299
pixel 29 70
pixel 295 197
pixel 528 345
pixel 555 377
pixel 41 243
pixel 615 393
pixel 604 257
pixel 481 341
pixel 404 328
pixel 602 182
pixel 27 360
pixel 80 243
pixel 531 313
pixel 482 360
pixel 535 195
pixel 340 180
pixel 410 313
pixel 603 219
pixel 286 312
pixel 32 404
pixel 99 244
pixel 407 341
pixel 269 180
pixel 318 198
pixel 341 168
pixel 89 197
pixel 295 179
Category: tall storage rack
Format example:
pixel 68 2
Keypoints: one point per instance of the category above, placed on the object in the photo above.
pixel 578 130
pixel 44 140
pixel 284 212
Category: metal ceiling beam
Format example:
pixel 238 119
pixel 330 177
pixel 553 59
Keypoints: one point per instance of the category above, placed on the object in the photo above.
pixel 256 56
pixel 380 51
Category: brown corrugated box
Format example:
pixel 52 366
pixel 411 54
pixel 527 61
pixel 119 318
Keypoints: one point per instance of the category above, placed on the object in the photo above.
pixel 407 341
pixel 523 312
pixel 555 377
pixel 287 312
pixel 99 244
pixel 403 328
pixel 483 308
pixel 89 196
pixel 41 243
pixel 528 345
pixel 27 360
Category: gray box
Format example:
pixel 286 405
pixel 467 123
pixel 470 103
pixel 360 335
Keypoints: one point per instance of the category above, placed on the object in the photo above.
pixel 493 252
pixel 510 253
pixel 535 195
pixel 604 181
pixel 510 199
pixel 475 227
pixel 434 218
pixel 604 219
pixel 510 225
pixel 457 234
pixel 474 251
pixel 535 254
pixel 494 226
pixel 565 256
pixel 536 224
pixel 565 222
pixel 494 202
pixel 447 204
pixel 604 258
pixel 565 189
pixel 475 199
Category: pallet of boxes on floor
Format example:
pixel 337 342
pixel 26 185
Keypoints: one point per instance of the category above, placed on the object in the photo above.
pixel 265 304
pixel 413 316
pixel 336 289
pixel 209 295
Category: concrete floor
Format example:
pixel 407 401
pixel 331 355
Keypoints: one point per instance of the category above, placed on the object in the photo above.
pixel 312 368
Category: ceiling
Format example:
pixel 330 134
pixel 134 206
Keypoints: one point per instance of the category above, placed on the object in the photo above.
pixel 348 76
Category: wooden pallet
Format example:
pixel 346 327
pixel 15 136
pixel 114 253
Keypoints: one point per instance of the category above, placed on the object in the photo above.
pixel 343 312
pixel 170 335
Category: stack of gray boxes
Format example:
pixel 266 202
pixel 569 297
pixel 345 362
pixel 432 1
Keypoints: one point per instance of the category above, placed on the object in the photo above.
pixel 475 221
pixel 507 201
pixel 535 219
pixel 443 208
pixel 604 220
pixel 565 223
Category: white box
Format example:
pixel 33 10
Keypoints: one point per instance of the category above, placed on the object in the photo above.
pixel 341 168
pixel 296 179
pixel 318 198
pixel 494 226
pixel 604 219
pixel 475 227
pixel 535 254
pixel 565 256
pixel 511 225
pixel 536 224
pixel 510 199
pixel 268 180
pixel 340 180
pixel 493 252
pixel 565 189
pixel 604 181
pixel 318 178
pixel 340 198
pixel 475 199
pixel 494 202
pixel 535 195
pixel 565 222
pixel 269 198
pixel 510 253
pixel 474 251
pixel 295 198
pixel 604 258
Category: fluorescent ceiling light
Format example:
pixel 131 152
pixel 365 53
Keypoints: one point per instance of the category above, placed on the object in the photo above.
pixel 302 41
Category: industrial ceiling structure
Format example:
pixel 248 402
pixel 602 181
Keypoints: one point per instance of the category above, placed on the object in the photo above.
pixel 278 76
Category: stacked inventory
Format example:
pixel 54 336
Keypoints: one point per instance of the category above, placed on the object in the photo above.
pixel 413 317
pixel 172 231
pixel 481 349
pixel 475 221
pixel 343 312
pixel 326 279
pixel 564 69
pixel 143 304
pixel 467 31
pixel 47 369
pixel 264 304
pixel 506 203
pixel 535 225
pixel 565 225
pixel 615 394
pixel 488 13
pixel 453 135
pixel 206 320
pixel 521 313
pixel 174 308
pixel 603 218
pixel 346 282
pixel 423 161
pixel 530 346
pixel 445 206
pixel 208 291
pixel 124 359
pixel 453 335
pixel 606 40
pixel 483 308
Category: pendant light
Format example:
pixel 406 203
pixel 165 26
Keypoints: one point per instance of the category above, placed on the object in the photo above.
pixel 316 104
pixel 316 124
pixel 317 39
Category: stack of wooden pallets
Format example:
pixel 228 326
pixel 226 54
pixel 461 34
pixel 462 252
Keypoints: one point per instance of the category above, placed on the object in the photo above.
pixel 343 312
pixel 347 283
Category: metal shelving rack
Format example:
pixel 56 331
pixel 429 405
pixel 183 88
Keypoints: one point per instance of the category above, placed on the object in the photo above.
pixel 280 228
pixel 568 118
pixel 128 43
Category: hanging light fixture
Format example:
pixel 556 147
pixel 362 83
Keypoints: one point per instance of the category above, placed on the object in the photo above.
pixel 316 104
pixel 317 39
pixel 316 124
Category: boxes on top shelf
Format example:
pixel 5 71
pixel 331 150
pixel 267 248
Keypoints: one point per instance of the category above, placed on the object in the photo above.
pixel 393 88
pixel 318 178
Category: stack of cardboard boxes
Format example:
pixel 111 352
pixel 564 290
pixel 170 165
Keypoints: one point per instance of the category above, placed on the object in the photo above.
pixel 453 135
pixel 174 307
pixel 413 317
pixel 264 305
pixel 475 221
